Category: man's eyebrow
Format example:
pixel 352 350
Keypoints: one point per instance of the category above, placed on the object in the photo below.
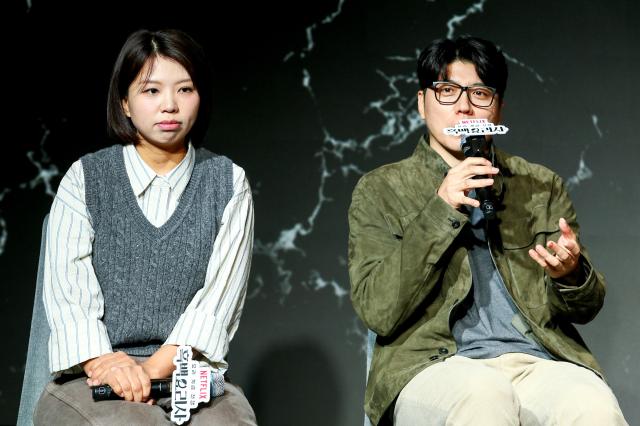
pixel 447 80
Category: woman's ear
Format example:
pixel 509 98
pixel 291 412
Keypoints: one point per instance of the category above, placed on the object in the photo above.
pixel 125 107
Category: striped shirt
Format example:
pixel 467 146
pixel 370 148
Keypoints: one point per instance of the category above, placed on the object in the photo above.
pixel 72 296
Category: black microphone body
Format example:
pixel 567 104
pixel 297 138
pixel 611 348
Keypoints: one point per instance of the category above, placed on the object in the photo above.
pixel 479 146
pixel 160 388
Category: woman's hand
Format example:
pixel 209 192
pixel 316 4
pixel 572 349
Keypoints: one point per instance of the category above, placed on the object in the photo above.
pixel 127 378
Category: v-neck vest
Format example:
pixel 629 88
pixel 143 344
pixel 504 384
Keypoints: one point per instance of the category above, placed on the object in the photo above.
pixel 147 274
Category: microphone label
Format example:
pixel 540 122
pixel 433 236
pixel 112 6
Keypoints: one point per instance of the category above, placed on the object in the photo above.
pixel 190 385
pixel 476 126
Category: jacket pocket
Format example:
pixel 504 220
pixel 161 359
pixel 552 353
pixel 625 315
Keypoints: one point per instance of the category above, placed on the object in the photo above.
pixel 527 277
pixel 527 231
pixel 394 225
pixel 398 225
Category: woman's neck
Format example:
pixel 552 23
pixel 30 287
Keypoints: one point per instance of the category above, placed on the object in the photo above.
pixel 161 159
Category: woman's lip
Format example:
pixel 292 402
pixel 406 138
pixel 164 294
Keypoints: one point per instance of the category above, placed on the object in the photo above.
pixel 169 125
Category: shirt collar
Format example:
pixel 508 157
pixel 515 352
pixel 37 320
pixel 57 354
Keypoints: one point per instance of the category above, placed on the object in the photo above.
pixel 179 177
pixel 141 175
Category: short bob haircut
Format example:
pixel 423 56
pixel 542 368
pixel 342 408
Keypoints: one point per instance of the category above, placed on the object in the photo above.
pixel 140 47
pixel 488 59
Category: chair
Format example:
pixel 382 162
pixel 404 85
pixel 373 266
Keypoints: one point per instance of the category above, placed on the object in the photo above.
pixel 36 372
pixel 371 341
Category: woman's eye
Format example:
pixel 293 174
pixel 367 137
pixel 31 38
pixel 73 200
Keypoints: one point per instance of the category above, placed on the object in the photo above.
pixel 151 90
pixel 186 89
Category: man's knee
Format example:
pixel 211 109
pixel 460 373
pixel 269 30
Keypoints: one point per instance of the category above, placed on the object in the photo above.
pixel 479 396
pixel 588 405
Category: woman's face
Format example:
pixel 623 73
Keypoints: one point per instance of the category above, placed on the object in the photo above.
pixel 164 106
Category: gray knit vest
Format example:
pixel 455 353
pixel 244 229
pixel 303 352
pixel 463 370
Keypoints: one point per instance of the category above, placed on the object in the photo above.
pixel 149 275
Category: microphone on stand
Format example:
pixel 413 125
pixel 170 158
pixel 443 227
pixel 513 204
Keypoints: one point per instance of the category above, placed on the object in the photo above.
pixel 479 146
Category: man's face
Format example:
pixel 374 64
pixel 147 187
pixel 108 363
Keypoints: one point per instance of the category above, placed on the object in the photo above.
pixel 438 116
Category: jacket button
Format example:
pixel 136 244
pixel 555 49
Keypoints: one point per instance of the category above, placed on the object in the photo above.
pixel 443 351
pixel 455 224
pixel 433 357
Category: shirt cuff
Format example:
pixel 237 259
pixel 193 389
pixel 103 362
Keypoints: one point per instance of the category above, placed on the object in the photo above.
pixel 587 274
pixel 74 345
pixel 203 332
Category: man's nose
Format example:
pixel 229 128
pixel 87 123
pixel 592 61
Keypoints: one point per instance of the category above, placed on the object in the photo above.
pixel 464 103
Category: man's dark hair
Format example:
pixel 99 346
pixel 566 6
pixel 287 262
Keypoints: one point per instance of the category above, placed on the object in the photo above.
pixel 142 46
pixel 488 59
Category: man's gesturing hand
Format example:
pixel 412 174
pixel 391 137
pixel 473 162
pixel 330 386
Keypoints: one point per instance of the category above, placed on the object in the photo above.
pixel 565 255
pixel 460 180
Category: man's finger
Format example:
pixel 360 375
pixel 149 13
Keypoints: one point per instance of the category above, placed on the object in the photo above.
pixel 470 201
pixel 562 252
pixel 477 183
pixel 552 261
pixel 572 247
pixel 535 256
pixel 481 170
pixel 566 229
pixel 475 160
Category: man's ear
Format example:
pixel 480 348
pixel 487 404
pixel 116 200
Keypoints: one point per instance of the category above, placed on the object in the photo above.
pixel 125 107
pixel 421 95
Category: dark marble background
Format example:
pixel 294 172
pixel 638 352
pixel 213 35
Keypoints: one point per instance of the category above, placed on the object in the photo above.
pixel 309 95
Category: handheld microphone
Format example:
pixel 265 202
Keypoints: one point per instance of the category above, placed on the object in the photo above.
pixel 479 146
pixel 160 388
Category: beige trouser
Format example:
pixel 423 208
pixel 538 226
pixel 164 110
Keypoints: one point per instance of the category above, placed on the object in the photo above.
pixel 512 389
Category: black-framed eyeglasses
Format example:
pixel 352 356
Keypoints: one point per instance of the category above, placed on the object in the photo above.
pixel 448 93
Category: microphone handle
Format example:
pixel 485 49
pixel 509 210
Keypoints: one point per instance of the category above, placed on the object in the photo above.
pixel 160 388
pixel 478 146
pixel 486 203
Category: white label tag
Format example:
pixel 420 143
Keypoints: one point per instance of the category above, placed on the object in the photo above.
pixel 190 385
pixel 476 126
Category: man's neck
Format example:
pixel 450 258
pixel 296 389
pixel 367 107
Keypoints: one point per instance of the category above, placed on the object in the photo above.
pixel 451 158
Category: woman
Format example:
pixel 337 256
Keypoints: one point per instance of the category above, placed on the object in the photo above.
pixel 148 248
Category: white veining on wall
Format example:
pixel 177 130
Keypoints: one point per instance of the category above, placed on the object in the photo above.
pixel 456 20
pixel 399 119
pixel 525 66
pixel 46 172
pixel 4 233
pixel 584 172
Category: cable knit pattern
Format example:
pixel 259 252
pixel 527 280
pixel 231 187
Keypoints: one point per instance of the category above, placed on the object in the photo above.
pixel 148 274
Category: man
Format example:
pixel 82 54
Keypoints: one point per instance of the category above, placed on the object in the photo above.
pixel 473 315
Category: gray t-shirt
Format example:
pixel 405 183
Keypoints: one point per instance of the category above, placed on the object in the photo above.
pixel 487 329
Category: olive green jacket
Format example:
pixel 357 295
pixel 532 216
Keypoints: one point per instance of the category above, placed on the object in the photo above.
pixel 409 270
